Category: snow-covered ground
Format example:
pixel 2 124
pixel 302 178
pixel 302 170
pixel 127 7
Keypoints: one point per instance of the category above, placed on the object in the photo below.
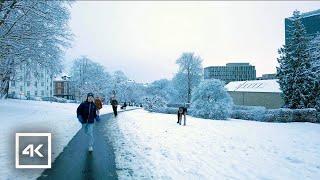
pixel 34 116
pixel 153 146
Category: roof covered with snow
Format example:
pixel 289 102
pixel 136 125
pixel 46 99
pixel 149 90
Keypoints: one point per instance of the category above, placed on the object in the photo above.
pixel 254 86
pixel 62 77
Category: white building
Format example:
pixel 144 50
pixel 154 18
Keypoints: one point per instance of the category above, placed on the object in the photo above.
pixel 31 83
pixel 265 93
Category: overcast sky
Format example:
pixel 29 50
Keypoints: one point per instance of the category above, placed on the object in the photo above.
pixel 144 39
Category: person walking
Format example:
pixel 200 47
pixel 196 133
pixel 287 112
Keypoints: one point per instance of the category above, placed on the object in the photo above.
pixel 98 104
pixel 86 113
pixel 114 104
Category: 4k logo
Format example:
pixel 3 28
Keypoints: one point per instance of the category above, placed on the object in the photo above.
pixel 33 150
pixel 29 150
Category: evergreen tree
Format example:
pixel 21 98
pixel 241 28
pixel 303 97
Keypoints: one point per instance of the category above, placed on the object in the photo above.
pixel 314 49
pixel 295 76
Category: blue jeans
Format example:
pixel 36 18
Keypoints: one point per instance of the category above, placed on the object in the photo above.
pixel 88 129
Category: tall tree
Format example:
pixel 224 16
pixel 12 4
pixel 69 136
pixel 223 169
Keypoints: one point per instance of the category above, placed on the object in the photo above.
pixel 295 76
pixel 189 75
pixel 33 33
pixel 88 76
pixel 162 88
pixel 314 49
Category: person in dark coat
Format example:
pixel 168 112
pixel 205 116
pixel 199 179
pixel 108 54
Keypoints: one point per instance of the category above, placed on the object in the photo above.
pixel 124 106
pixel 182 111
pixel 114 104
pixel 86 113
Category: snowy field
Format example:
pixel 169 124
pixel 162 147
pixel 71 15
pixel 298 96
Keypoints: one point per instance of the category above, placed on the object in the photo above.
pixel 35 116
pixel 153 146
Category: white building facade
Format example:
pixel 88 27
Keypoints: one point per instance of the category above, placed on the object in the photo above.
pixel 31 83
pixel 265 93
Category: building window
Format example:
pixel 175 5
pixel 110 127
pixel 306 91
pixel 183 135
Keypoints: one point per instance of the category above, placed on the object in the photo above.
pixel 21 88
pixel 36 84
pixel 13 83
pixel 42 93
pixel 36 93
pixel 42 84
pixel 28 83
pixel 28 93
pixel 47 87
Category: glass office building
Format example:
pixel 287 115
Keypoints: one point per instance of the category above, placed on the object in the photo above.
pixel 310 20
pixel 231 72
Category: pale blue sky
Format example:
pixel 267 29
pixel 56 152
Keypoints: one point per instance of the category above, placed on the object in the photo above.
pixel 144 39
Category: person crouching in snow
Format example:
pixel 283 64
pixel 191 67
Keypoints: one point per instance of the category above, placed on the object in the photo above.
pixel 182 111
pixel 86 113
pixel 98 104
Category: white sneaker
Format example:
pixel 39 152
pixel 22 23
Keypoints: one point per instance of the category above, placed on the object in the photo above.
pixel 90 149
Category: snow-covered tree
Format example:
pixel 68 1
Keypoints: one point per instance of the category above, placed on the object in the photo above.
pixel 120 86
pixel 314 49
pixel 162 87
pixel 154 103
pixel 88 76
pixel 210 100
pixel 295 74
pixel 32 33
pixel 136 92
pixel 188 77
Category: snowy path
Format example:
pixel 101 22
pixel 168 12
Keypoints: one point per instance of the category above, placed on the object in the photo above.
pixel 76 163
pixel 153 146
pixel 35 116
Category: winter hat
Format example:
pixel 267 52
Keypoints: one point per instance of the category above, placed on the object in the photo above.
pixel 90 94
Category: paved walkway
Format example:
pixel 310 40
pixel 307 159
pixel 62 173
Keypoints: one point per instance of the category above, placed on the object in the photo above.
pixel 76 163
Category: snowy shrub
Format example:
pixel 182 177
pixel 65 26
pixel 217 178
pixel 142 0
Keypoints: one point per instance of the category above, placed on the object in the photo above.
pixel 318 117
pixel 154 103
pixel 255 113
pixel 292 115
pixel 305 115
pixel 210 100
pixel 279 115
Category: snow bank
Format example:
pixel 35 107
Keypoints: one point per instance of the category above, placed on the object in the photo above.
pixel 34 116
pixel 153 146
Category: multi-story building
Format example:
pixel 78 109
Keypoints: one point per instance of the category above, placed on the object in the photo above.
pixel 310 21
pixel 63 87
pixel 31 83
pixel 231 72
pixel 267 76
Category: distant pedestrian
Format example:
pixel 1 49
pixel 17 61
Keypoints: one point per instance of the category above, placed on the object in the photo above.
pixel 86 113
pixel 114 104
pixel 182 112
pixel 98 104
pixel 124 106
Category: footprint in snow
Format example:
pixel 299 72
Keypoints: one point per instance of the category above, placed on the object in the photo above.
pixel 294 160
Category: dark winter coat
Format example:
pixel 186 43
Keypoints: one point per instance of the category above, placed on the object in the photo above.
pixel 181 111
pixel 87 112
pixel 114 102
